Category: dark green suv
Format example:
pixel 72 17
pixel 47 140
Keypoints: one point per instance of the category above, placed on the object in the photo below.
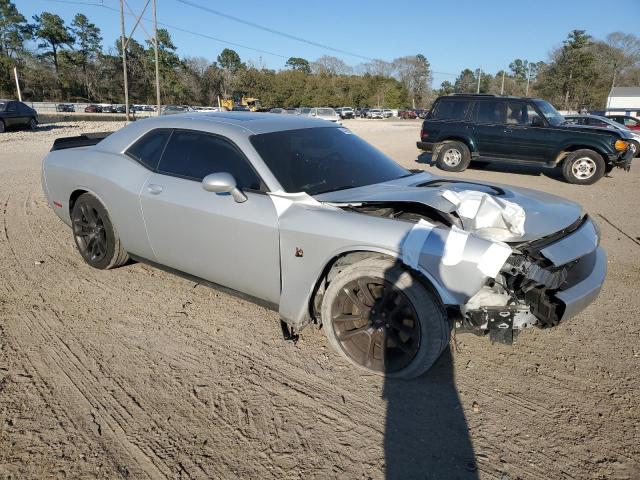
pixel 459 128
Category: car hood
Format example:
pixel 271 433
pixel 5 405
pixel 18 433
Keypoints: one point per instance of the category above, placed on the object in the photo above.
pixel 545 213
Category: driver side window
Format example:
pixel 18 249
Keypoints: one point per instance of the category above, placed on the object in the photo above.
pixel 533 114
pixel 194 155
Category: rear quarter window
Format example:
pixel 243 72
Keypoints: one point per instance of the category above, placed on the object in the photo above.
pixel 450 109
pixel 148 149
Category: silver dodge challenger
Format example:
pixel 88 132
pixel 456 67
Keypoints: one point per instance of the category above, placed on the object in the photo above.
pixel 303 216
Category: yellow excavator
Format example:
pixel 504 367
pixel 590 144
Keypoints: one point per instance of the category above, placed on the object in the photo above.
pixel 252 103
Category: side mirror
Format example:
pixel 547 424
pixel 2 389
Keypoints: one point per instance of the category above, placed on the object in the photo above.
pixel 537 122
pixel 223 182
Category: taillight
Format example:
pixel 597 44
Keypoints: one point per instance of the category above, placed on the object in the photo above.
pixel 424 134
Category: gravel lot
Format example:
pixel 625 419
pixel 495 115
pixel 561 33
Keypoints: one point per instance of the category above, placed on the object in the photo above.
pixel 137 373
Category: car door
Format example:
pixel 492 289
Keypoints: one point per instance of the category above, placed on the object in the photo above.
pixel 488 127
pixel 211 235
pixel 526 136
pixel 12 117
pixel 25 114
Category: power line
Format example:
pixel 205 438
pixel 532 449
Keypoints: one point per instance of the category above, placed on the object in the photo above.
pixel 235 44
pixel 174 27
pixel 274 31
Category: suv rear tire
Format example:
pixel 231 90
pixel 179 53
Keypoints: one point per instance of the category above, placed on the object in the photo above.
pixel 583 167
pixel 453 156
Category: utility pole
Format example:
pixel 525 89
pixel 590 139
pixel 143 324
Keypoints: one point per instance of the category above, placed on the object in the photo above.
pixel 15 74
pixel 479 77
pixel 526 93
pixel 124 61
pixel 502 88
pixel 155 45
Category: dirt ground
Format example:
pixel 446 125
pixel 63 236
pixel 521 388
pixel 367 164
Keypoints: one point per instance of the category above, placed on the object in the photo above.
pixel 137 373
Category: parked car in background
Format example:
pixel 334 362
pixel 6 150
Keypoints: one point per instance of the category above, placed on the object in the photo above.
pixel 604 122
pixel 632 123
pixel 108 108
pixel 324 228
pixel 407 114
pixel 207 109
pixel 93 109
pixel 386 113
pixel 422 113
pixel 15 114
pixel 325 113
pixel 394 112
pixel 304 110
pixel 65 107
pixel 240 108
pixel 362 112
pixel 175 109
pixel 277 110
pixel 375 113
pixel 460 128
pixel 122 109
pixel 292 111
pixel 345 112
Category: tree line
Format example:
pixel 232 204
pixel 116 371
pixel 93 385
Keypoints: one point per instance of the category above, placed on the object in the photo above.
pixel 69 63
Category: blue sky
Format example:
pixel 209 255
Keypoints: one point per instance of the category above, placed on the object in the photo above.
pixel 452 35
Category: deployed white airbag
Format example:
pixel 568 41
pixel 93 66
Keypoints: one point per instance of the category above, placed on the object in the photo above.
pixel 486 215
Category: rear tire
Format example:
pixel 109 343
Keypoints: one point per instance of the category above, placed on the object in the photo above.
pixel 583 167
pixel 2 127
pixel 94 234
pixel 453 156
pixel 381 318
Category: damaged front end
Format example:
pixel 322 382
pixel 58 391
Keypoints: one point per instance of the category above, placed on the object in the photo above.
pixel 497 284
pixel 542 283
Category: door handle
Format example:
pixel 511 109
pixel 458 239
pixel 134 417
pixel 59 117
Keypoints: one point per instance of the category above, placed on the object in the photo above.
pixel 154 189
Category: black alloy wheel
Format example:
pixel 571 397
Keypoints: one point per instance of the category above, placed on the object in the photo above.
pixel 376 325
pixel 90 233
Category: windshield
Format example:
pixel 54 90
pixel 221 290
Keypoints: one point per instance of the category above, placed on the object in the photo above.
pixel 326 111
pixel 550 113
pixel 319 160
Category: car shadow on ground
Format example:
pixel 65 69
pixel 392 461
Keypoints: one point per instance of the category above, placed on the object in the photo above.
pixel 426 432
pixel 502 167
pixel 46 127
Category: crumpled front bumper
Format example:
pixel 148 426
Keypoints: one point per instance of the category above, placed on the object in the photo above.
pixel 587 271
pixel 624 160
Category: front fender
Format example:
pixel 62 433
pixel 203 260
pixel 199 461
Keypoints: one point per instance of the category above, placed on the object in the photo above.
pixel 312 237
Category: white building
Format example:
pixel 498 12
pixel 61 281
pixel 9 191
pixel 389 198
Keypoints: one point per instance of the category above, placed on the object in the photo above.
pixel 624 101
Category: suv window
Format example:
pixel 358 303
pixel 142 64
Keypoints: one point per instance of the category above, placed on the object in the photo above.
pixel 531 114
pixel 490 111
pixel 450 109
pixel 11 107
pixel 149 148
pixel 516 113
pixel 194 155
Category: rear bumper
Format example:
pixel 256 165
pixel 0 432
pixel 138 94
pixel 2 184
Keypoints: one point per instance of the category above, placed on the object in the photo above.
pixel 426 146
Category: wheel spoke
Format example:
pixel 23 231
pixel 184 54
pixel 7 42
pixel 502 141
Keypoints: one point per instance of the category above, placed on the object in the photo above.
pixel 364 288
pixel 396 339
pixel 356 331
pixel 401 327
pixel 371 347
pixel 343 317
pixel 355 300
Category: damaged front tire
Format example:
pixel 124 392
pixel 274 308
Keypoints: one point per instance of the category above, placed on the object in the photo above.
pixel 383 319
